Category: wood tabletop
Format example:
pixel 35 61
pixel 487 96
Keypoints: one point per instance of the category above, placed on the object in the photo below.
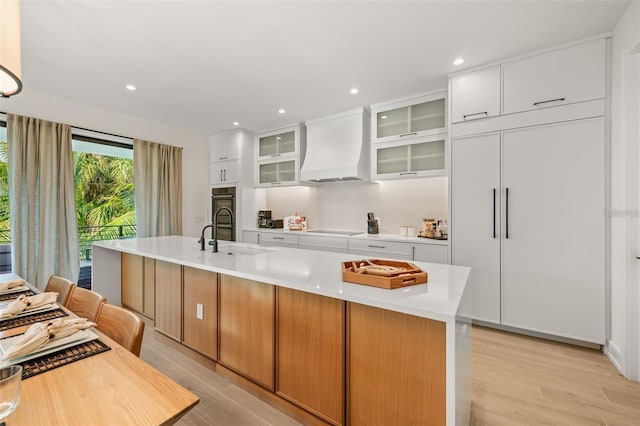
pixel 110 388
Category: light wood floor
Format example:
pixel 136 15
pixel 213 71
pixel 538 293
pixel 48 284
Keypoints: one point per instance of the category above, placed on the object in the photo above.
pixel 517 380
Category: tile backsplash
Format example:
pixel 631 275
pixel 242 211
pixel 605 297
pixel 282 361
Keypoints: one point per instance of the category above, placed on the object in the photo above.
pixel 344 205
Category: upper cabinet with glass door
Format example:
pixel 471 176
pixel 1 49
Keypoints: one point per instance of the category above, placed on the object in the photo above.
pixel 410 117
pixel 279 154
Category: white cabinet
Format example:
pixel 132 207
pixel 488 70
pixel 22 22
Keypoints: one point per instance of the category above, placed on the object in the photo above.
pixel 410 117
pixel 430 253
pixel 376 248
pixel 223 172
pixel 553 250
pixel 563 76
pixel 409 158
pixel 278 156
pixel 315 242
pixel 278 239
pixel 475 95
pixel 251 237
pixel 224 147
pixel 224 154
pixel 475 219
pixel 527 216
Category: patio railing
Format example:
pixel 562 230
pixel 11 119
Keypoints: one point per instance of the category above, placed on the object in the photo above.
pixel 87 235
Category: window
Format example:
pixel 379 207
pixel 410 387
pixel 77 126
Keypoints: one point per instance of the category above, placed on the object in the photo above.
pixel 5 229
pixel 104 190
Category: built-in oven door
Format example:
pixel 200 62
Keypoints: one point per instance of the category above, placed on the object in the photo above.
pixel 226 227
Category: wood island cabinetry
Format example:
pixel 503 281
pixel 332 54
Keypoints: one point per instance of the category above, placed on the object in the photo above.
pixel 200 311
pixel 138 284
pixel 391 353
pixel 169 299
pixel 311 351
pixel 132 281
pixel 247 328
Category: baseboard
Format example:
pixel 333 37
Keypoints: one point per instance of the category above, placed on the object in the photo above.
pixel 613 352
pixel 538 334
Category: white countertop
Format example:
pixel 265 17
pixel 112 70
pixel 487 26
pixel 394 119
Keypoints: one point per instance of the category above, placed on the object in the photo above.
pixel 306 270
pixel 364 235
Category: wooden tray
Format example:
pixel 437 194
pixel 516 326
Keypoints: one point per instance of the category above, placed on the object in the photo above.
pixel 399 274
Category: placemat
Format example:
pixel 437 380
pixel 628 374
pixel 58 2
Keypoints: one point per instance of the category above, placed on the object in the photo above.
pixel 62 357
pixel 30 319
pixel 10 296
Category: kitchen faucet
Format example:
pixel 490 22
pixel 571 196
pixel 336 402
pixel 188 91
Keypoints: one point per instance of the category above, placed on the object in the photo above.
pixel 201 240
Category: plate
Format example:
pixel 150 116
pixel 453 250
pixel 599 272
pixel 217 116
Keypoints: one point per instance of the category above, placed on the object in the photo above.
pixel 80 336
pixel 15 289
pixel 43 308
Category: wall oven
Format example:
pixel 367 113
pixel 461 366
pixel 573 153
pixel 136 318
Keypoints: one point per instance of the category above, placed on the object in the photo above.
pixel 224 197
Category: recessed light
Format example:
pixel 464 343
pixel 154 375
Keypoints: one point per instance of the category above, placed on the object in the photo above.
pixel 278 138
pixel 354 91
pixel 383 117
pixel 281 111
pixel 235 123
pixel 458 61
pixel 130 87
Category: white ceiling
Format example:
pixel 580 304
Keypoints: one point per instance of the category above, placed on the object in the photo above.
pixel 202 65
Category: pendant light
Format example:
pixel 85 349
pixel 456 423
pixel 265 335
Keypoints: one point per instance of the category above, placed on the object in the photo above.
pixel 10 69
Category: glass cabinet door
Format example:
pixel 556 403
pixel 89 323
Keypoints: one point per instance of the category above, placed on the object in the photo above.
pixel 427 156
pixel 274 145
pixel 284 171
pixel 410 119
pixel 411 158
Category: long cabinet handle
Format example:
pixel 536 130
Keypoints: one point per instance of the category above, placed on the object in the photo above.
pixel 372 246
pixel 223 158
pixel 221 179
pixel 494 213
pixel 408 173
pixel 550 100
pixel 506 211
pixel 464 117
pixel 409 134
pixel 277 238
pixel 275 155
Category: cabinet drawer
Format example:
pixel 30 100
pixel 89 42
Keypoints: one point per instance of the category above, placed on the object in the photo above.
pixel 312 242
pixel 475 95
pixel 267 238
pixel 564 76
pixel 383 248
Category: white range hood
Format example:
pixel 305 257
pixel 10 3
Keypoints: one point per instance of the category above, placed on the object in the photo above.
pixel 337 147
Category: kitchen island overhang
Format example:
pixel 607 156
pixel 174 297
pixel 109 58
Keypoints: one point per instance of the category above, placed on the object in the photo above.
pixel 317 273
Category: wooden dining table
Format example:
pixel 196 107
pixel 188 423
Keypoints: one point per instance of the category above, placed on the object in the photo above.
pixel 110 388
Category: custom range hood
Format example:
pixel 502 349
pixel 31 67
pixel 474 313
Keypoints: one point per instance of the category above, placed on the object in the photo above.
pixel 337 147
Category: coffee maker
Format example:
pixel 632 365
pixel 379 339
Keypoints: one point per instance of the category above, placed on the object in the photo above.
pixel 263 218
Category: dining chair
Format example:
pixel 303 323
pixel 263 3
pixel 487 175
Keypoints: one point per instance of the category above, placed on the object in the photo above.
pixel 63 286
pixel 123 326
pixel 85 303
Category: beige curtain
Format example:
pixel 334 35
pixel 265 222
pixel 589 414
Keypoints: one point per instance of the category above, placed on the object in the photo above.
pixel 157 171
pixel 42 206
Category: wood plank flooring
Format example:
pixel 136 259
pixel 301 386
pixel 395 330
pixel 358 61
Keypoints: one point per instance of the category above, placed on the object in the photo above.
pixel 517 380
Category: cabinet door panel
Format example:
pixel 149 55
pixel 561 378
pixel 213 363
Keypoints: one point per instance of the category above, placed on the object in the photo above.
pixel 247 329
pixel 475 95
pixel 132 281
pixel 553 259
pixel 224 147
pixel 149 287
pixel 430 253
pixel 475 178
pixel 311 352
pixel 563 76
pixel 388 350
pixel 200 288
pixel 168 316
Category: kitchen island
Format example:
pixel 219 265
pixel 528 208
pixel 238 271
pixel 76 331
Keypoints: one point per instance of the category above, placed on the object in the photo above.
pixel 284 323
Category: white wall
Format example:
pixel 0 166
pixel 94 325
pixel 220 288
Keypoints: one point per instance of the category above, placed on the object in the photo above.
pixel 622 347
pixel 194 155
pixel 344 205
